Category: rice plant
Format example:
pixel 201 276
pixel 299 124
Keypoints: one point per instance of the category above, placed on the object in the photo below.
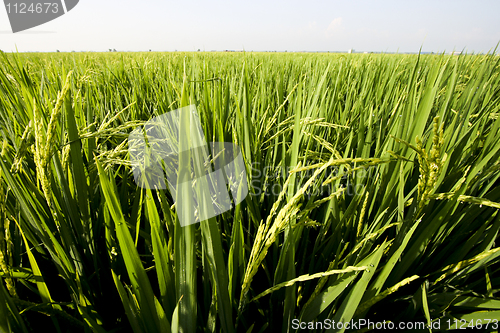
pixel 373 192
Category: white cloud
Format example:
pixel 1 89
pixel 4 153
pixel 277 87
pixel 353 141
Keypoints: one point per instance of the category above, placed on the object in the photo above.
pixel 335 27
pixel 312 26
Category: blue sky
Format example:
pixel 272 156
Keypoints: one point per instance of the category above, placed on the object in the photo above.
pixel 257 25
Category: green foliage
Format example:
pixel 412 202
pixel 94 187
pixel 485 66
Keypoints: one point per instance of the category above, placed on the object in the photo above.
pixel 373 180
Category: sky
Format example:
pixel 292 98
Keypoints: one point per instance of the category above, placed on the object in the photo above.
pixel 257 25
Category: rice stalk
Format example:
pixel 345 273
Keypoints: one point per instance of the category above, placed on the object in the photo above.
pixel 369 303
pixel 23 148
pixel 452 269
pixel 362 215
pixel 308 277
pixel 430 164
pixel 267 235
pixel 5 236
pixel 45 142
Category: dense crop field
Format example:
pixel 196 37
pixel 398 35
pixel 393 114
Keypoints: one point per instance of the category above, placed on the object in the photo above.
pixel 373 183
